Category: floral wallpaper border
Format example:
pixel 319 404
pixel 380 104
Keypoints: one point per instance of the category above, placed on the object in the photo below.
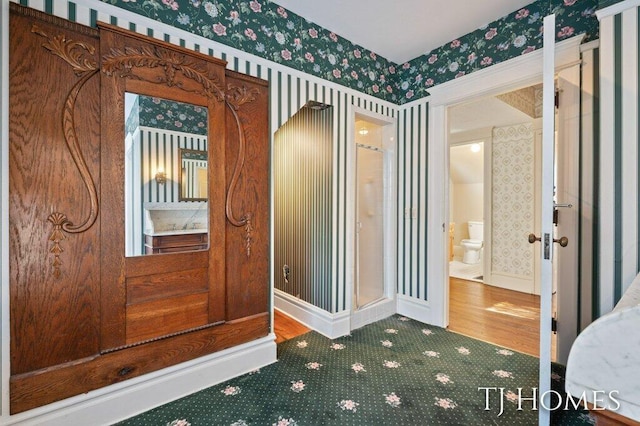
pixel 513 35
pixel 167 115
pixel 265 29
pixel 172 115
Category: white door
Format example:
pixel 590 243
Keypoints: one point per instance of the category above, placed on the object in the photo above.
pixel 546 238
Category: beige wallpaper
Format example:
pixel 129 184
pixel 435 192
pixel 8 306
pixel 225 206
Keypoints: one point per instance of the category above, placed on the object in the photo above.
pixel 513 167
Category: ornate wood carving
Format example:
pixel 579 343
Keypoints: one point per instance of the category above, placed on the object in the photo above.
pixel 76 54
pixel 237 96
pixel 122 63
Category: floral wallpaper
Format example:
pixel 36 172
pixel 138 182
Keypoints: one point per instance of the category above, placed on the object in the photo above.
pixel 272 32
pixel 171 115
pixel 515 34
pixel 267 30
pixel 513 196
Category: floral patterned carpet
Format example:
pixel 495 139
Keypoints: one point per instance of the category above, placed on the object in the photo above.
pixel 396 371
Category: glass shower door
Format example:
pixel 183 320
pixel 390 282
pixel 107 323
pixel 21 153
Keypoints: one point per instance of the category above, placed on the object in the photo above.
pixel 369 286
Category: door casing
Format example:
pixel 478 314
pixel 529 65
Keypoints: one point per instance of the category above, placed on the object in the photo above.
pixel 516 73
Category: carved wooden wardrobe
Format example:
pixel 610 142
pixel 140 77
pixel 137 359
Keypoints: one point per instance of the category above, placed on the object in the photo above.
pixel 83 315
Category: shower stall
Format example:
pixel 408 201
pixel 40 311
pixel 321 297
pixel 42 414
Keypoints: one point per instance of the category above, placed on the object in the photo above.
pixel 369 273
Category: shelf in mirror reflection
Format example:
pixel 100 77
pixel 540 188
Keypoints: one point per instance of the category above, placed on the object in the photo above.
pixel 178 232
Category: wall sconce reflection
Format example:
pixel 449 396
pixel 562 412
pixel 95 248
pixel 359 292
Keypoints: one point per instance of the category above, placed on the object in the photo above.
pixel 161 177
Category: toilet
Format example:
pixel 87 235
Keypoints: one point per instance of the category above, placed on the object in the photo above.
pixel 473 245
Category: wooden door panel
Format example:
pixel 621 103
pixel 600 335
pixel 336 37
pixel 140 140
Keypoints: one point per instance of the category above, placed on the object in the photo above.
pixel 54 275
pixel 247 249
pixel 166 316
pixel 146 288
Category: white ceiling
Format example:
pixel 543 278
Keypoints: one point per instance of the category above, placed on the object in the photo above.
pixel 483 113
pixel 401 30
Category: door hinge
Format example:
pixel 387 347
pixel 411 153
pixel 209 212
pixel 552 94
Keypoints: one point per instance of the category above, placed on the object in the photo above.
pixel 547 246
pixel 556 99
pixel 554 324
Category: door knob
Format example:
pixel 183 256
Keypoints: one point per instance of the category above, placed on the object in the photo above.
pixel 563 241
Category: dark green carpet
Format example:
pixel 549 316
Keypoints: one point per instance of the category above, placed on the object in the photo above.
pixel 393 372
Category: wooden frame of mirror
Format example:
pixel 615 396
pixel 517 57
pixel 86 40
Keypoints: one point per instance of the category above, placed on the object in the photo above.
pixel 193 283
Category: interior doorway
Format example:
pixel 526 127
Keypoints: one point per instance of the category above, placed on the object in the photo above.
pixel 520 72
pixel 494 150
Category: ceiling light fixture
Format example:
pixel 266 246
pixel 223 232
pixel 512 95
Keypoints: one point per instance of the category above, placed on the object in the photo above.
pixel 475 147
pixel 363 131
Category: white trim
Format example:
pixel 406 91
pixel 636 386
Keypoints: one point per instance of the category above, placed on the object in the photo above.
pixel 594 44
pixel 521 283
pixel 521 71
pixel 607 167
pixel 328 324
pixel 123 400
pixel 616 8
pixel 487 207
pixel 629 164
pixel 587 183
pixel 419 310
pixel 438 215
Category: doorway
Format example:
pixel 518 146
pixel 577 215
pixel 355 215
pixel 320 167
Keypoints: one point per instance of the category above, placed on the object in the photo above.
pixel 372 152
pixel 494 171
pixel 518 73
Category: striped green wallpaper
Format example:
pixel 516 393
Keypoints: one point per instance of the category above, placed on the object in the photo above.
pixel 302 205
pixel 412 199
pixel 619 179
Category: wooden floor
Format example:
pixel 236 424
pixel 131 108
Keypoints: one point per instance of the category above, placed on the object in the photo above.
pixel 286 327
pixel 503 317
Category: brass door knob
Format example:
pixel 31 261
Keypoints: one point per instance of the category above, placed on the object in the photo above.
pixel 563 241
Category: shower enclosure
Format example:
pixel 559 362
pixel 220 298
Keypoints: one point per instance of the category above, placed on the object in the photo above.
pixel 369 282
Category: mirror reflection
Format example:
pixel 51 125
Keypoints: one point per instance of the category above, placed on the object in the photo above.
pixel 166 208
pixel 193 175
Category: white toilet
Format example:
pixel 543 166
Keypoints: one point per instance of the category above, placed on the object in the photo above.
pixel 473 245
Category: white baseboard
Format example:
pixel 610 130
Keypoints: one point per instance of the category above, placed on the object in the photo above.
pixel 325 323
pixel 519 283
pixel 126 399
pixel 373 313
pixel 419 310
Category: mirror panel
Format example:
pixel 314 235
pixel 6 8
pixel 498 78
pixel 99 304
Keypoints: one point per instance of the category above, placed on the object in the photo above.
pixel 166 174
pixel 193 174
